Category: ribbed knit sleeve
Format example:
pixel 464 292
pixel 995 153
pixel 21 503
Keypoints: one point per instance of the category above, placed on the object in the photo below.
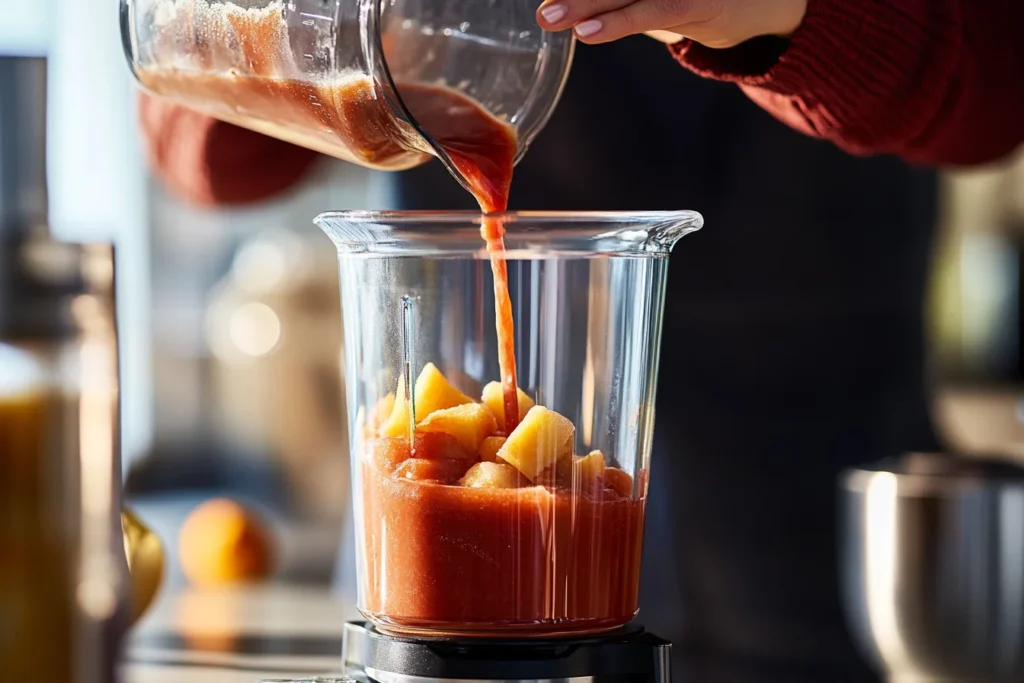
pixel 932 81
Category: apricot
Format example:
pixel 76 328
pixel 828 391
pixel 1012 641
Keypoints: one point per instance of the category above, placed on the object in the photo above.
pixel 434 392
pixel 587 469
pixel 381 411
pixel 397 422
pixel 440 446
pixel 488 450
pixel 493 475
pixel 541 439
pixel 619 481
pixel 469 424
pixel 494 398
pixel 223 542
pixel 559 474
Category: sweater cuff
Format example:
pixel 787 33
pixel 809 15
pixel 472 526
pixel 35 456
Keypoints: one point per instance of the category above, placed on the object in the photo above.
pixel 210 163
pixel 851 67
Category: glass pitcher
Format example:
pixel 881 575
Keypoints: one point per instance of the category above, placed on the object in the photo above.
pixel 350 78
pixel 461 528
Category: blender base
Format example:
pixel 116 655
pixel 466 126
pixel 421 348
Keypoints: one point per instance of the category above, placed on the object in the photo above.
pixel 630 655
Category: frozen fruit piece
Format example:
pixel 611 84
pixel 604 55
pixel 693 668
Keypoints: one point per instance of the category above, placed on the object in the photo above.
pixel 397 423
pixel 441 446
pixel 437 471
pixel 575 472
pixel 538 442
pixel 389 453
pixel 381 410
pixel 587 469
pixel 492 475
pixel 469 423
pixel 494 398
pixel 619 481
pixel 434 392
pixel 559 474
pixel 488 450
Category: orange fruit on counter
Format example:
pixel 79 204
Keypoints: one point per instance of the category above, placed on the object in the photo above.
pixel 223 542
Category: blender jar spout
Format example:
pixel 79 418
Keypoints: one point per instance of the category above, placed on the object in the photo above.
pixel 663 235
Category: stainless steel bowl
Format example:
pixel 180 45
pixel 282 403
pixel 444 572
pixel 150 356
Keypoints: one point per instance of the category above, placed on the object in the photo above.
pixel 933 567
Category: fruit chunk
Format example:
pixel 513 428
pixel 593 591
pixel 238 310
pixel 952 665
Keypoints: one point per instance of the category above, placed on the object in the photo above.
pixel 381 410
pixel 559 474
pixel 434 392
pixel 587 469
pixel 541 439
pixel 397 422
pixel 619 481
pixel 575 472
pixel 469 424
pixel 494 398
pixel 436 471
pixel 488 450
pixel 492 475
pixel 441 446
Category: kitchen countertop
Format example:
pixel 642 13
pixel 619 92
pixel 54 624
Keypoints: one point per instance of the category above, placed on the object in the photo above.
pixel 245 634
pixel 237 635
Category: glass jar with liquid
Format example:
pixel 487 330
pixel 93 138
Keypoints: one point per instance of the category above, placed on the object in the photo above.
pixel 63 573
pixel 381 83
pixel 500 467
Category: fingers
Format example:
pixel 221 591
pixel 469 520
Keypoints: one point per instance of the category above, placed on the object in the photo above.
pixel 640 16
pixel 558 15
pixel 715 23
pixel 601 21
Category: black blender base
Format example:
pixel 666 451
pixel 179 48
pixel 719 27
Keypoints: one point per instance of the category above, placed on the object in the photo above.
pixel 630 655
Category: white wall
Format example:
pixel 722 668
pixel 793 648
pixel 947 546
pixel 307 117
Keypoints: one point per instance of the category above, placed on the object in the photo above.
pixel 97 179
pixel 24 27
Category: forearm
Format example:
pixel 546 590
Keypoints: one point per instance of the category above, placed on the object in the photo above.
pixel 932 81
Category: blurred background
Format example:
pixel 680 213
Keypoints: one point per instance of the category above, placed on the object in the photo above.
pixel 230 328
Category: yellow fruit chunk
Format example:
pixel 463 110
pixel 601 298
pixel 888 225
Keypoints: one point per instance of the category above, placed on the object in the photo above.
pixel 494 398
pixel 382 410
pixel 542 438
pixel 492 475
pixel 397 422
pixel 434 392
pixel 222 542
pixel 469 423
pixel 587 469
pixel 488 450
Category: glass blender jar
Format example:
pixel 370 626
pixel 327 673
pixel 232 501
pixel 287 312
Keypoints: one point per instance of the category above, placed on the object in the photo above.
pixel 368 81
pixel 467 527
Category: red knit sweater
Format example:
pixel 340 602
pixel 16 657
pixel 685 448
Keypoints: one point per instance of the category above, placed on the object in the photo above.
pixel 932 81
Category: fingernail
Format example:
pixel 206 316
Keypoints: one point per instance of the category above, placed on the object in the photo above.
pixel 554 13
pixel 588 27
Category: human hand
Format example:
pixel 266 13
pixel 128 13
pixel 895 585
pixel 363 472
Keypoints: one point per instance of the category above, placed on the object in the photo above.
pixel 714 23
